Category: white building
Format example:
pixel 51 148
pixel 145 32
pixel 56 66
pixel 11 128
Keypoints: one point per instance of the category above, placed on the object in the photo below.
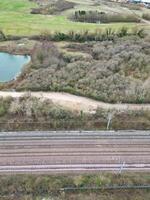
pixel 146 3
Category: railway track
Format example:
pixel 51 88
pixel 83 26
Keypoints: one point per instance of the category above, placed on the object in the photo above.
pixel 43 152
pixel 74 168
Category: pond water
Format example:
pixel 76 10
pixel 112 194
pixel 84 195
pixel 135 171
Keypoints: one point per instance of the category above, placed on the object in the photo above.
pixel 11 65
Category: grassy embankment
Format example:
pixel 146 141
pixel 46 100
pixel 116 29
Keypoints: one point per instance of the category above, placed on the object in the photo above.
pixel 28 113
pixel 50 187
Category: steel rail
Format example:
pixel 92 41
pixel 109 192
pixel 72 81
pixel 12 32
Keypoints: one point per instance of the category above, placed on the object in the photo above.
pixel 72 154
pixel 82 146
pixel 74 138
pixel 79 167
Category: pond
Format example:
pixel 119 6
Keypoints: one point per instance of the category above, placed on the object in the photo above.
pixel 11 66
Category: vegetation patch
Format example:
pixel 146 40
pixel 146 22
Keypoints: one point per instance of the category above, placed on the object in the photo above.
pixel 30 113
pixel 22 187
pixel 22 46
pixel 52 7
pixel 2 36
pixel 146 16
pixel 102 17
pixel 115 71
pixel 131 6
pixel 85 36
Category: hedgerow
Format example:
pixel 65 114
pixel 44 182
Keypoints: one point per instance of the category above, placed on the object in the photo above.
pixel 102 17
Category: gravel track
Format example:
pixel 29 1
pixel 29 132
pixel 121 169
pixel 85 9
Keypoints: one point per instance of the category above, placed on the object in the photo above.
pixel 77 103
pixel 67 151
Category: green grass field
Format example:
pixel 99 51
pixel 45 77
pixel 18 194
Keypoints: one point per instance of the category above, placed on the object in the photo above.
pixel 15 19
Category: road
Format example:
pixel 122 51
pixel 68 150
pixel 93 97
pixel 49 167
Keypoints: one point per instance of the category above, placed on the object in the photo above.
pixel 77 103
pixel 58 152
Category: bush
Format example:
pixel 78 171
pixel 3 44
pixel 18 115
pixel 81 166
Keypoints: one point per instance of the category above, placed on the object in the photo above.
pixel 146 16
pixel 2 36
pixel 4 106
pixel 123 32
pixel 45 55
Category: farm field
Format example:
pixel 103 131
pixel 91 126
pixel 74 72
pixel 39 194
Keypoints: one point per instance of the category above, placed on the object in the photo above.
pixel 16 19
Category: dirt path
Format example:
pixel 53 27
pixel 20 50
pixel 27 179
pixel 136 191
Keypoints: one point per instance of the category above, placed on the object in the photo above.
pixel 145 21
pixel 77 103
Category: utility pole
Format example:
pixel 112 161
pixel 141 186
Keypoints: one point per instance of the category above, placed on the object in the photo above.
pixel 121 167
pixel 109 118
